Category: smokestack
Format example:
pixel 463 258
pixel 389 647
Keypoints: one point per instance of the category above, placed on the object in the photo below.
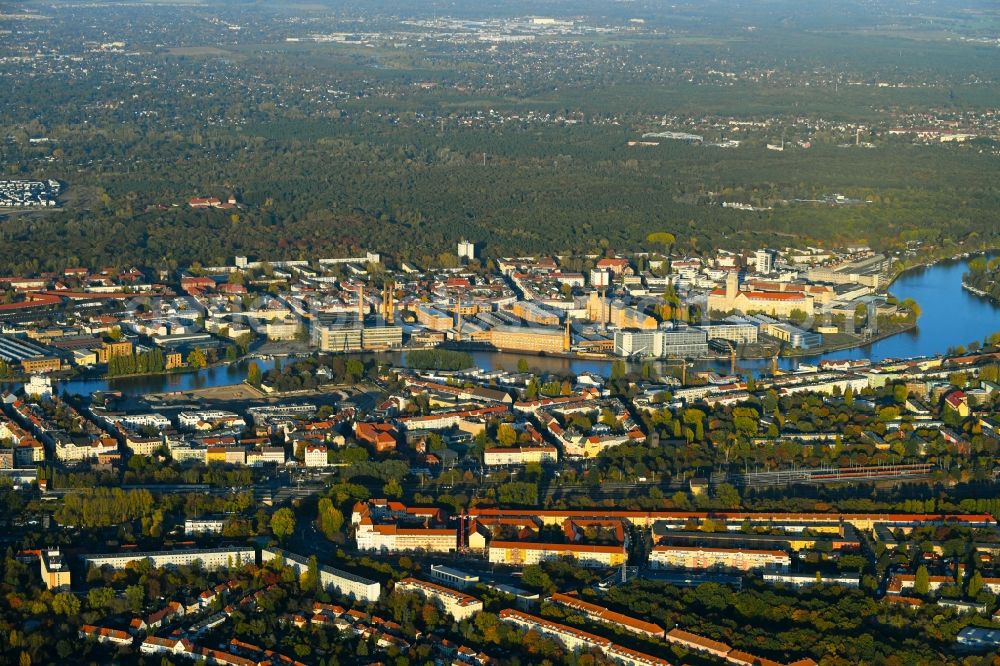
pixel 361 303
pixel 458 313
pixel 390 310
pixel 566 336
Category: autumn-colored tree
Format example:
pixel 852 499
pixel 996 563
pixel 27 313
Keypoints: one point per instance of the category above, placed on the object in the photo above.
pixel 283 523
pixel 254 376
pixel 196 359
pixel 506 435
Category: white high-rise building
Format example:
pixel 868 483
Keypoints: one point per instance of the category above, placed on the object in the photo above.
pixel 466 250
pixel 765 261
pixel 600 279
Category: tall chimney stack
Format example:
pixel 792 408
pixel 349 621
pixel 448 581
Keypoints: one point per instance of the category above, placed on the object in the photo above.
pixel 390 310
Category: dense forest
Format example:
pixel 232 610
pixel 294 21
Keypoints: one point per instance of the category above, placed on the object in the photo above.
pixel 332 148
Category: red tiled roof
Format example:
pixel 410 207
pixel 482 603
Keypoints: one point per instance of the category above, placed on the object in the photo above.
pixel 679 635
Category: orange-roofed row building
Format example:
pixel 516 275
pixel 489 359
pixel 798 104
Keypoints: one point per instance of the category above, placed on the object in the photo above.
pixel 602 614
pixel 576 639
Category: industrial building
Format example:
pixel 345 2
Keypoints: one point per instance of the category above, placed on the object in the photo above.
pixel 683 342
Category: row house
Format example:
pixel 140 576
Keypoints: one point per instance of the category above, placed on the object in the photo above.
pixel 106 635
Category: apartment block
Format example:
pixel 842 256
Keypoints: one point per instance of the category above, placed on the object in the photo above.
pixel 459 605
pixel 55 570
pixel 523 553
pixel 704 558
pixel 211 559
pixel 343 582
pixel 520 455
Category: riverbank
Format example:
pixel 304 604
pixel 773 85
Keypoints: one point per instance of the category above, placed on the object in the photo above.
pixel 934 261
pixel 225 393
pixel 979 292
pixel 863 342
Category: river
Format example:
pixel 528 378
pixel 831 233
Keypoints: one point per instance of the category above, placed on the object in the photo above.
pixel 951 316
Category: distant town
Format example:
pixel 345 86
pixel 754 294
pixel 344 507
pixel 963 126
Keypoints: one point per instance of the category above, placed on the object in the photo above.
pixel 29 193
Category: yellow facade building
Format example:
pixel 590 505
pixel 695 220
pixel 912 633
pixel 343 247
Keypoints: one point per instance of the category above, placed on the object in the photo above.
pixel 523 553
pixel 530 339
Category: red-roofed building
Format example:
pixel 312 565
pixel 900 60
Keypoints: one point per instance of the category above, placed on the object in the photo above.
pixel 616 265
pixel 959 402
pixel 382 436
pixel 204 202
pixel 191 282
pixel 105 635
pixel 602 614
pixel 698 643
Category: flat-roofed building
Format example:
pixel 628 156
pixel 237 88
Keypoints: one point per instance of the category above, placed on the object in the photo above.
pixel 41 364
pixel 796 337
pixel 204 525
pixel 809 579
pixel 266 455
pixel 453 577
pixel 55 571
pixel 735 332
pixel 110 350
pixel 530 339
pixel 705 558
pixel 535 313
pixel 523 553
pixel 381 336
pixel 148 420
pixel 433 318
pixel 209 419
pixel 684 342
pixel 337 336
pixel 871 271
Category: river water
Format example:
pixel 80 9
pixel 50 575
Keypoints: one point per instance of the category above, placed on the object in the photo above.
pixel 951 316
